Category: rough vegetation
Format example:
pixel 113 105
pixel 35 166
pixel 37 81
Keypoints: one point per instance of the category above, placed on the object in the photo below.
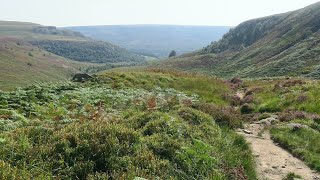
pixel 120 125
pixel 302 142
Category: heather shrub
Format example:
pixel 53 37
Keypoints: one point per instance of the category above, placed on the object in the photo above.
pixel 122 126
pixel 224 116
pixel 246 109
pixel 195 117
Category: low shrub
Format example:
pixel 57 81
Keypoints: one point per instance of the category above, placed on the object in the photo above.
pixel 224 116
pixel 292 176
pixel 195 117
pixel 247 99
pixel 246 109
pixel 93 130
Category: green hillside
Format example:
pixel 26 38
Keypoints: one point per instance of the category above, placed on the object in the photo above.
pixel 280 45
pixel 90 51
pixel 22 64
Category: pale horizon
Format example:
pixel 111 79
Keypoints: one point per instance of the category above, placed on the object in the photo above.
pixel 143 12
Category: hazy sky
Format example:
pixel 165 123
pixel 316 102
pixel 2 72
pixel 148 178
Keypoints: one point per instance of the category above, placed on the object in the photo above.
pixel 182 12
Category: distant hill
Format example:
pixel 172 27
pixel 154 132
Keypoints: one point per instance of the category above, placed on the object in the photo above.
pixel 30 31
pixel 155 40
pixel 31 52
pixel 68 44
pixel 279 45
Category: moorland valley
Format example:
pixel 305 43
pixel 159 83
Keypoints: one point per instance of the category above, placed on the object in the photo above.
pixel 246 106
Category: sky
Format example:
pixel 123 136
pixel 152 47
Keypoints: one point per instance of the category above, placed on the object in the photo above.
pixel 116 12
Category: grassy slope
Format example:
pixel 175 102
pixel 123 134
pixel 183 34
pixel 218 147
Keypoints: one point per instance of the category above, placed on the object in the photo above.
pixel 269 97
pixel 210 89
pixel 120 126
pixel 22 64
pixel 68 44
pixel 279 45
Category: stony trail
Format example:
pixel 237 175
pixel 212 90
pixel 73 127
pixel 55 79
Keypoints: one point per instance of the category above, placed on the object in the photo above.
pixel 272 161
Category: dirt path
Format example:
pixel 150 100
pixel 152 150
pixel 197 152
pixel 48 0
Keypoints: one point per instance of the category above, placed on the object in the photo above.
pixel 273 162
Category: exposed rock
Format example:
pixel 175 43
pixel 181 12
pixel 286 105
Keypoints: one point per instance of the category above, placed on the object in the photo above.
pixel 81 77
pixel 268 121
pixel 247 131
pixel 246 109
pixel 296 126
pixel 236 80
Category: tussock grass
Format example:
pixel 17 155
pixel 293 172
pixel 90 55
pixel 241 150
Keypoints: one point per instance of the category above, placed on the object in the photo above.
pixel 303 143
pixel 299 97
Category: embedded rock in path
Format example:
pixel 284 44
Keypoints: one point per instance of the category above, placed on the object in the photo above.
pixel 296 126
pixel 268 121
pixel 247 131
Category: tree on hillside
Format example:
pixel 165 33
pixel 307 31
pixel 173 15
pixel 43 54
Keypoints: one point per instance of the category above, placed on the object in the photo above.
pixel 172 54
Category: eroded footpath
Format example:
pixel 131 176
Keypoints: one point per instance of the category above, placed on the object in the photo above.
pixel 273 162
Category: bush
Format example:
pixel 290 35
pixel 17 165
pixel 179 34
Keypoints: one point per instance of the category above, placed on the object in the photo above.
pixel 195 117
pixel 224 116
pixel 8 171
pixel 197 160
pixel 12 115
pixel 292 176
pixel 246 109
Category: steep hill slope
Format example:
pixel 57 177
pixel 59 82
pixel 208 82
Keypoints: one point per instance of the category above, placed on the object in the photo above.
pixel 90 51
pixel 155 40
pixel 22 64
pixel 280 45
